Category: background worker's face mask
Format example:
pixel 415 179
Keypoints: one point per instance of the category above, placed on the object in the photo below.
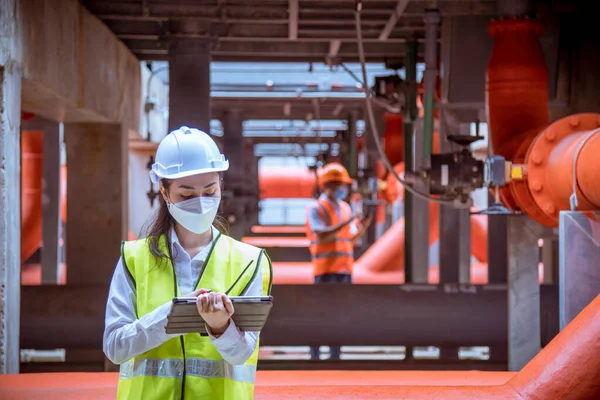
pixel 341 192
pixel 197 214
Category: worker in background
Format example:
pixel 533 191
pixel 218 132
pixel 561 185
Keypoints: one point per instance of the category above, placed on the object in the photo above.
pixel 184 254
pixel 332 230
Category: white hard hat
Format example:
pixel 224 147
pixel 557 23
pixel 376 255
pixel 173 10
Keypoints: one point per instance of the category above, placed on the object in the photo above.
pixel 185 152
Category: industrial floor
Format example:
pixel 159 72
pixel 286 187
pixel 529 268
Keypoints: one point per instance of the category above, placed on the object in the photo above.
pixel 271 385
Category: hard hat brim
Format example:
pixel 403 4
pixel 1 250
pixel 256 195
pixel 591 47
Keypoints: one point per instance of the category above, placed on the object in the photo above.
pixel 156 176
pixel 339 179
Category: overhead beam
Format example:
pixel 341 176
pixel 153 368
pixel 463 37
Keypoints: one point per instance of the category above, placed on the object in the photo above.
pixel 294 48
pixel 393 20
pixel 106 87
pixel 155 37
pixel 293 19
pixel 280 11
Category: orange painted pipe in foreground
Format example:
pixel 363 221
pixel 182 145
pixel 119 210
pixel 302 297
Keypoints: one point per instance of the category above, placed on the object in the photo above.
pixel 566 369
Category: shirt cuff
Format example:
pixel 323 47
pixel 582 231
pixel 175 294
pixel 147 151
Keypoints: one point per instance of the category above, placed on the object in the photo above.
pixel 231 336
pixel 157 320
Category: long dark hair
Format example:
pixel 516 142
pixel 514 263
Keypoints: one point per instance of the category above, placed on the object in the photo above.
pixel 161 222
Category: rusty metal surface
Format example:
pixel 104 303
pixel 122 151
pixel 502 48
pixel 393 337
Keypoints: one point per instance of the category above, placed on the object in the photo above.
pixel 579 258
pixel 73 317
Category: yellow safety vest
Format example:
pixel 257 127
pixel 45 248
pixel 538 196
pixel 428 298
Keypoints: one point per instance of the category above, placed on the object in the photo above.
pixel 189 366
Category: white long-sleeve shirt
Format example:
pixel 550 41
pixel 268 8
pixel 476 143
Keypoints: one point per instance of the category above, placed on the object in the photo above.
pixel 126 336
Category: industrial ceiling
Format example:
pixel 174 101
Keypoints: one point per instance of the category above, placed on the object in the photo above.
pixel 276 30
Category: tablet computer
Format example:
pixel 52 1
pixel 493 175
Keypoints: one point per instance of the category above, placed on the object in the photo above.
pixel 251 313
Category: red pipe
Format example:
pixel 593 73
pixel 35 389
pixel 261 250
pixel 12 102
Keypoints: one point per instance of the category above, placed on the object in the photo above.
pixel 550 165
pixel 517 105
pixel 516 91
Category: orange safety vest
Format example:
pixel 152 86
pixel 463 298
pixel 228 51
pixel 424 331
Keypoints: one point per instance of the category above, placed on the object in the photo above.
pixel 336 256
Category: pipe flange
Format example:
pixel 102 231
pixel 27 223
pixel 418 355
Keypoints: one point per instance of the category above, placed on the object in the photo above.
pixel 521 189
pixel 537 159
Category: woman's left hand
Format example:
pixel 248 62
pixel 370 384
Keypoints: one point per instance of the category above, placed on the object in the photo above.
pixel 216 309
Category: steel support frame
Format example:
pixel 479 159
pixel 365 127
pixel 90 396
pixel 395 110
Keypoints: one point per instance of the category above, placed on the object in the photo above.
pixel 424 315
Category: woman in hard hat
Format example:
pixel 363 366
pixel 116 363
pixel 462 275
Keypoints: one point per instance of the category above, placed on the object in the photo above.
pixel 184 254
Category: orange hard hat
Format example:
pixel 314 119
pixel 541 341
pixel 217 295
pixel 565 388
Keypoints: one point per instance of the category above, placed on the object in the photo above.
pixel 334 172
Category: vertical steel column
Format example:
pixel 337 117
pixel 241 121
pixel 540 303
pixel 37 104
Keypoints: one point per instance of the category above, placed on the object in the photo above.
pixel 497 247
pixel 189 84
pixel 410 62
pixel 235 177
pixel 419 229
pixel 51 215
pixel 353 144
pixel 432 20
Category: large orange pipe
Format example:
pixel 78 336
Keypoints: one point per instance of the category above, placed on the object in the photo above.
pixel 550 167
pixel 516 92
pixel 517 104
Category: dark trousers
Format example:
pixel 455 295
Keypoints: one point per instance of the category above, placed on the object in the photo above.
pixel 334 351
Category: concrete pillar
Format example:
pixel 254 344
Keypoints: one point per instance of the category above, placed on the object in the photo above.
pixel 51 212
pixel 97 198
pixel 235 177
pixel 10 187
pixel 189 84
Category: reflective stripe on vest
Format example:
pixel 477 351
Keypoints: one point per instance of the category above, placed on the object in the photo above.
pixel 162 373
pixel 333 241
pixel 335 256
pixel 173 368
pixel 332 255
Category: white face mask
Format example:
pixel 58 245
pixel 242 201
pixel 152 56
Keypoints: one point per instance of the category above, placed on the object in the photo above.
pixel 197 214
